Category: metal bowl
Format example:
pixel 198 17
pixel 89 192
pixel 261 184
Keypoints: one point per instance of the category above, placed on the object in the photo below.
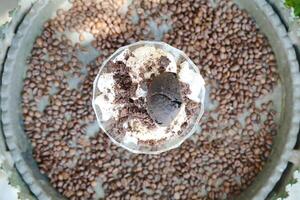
pixel 14 69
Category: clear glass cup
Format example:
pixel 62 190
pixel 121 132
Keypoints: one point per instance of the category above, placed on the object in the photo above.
pixel 171 143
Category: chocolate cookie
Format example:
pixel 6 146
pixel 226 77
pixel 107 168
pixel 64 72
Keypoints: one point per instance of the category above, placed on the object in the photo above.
pixel 164 98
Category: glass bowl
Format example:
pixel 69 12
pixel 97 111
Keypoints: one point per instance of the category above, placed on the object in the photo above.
pixel 132 144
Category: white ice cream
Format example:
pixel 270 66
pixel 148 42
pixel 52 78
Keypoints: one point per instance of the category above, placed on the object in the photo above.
pixel 107 96
pixel 140 92
pixel 121 56
pixel 193 79
pixel 145 55
pixel 140 132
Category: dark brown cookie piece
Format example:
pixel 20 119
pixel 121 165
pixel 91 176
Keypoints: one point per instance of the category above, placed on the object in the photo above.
pixel 163 62
pixel 164 98
pixel 167 84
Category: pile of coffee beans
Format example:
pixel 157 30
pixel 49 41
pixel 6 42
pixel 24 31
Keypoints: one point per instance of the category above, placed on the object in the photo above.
pixel 234 139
